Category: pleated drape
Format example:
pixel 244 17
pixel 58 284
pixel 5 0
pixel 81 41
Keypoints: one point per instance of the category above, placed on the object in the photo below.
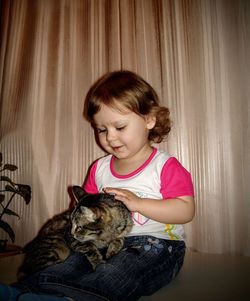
pixel 196 55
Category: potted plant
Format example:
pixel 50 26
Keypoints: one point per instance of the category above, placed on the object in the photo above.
pixel 9 190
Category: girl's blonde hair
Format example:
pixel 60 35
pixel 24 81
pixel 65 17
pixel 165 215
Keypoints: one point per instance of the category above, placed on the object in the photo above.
pixel 125 89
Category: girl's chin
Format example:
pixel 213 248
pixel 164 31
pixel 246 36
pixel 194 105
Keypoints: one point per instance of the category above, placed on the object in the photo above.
pixel 120 155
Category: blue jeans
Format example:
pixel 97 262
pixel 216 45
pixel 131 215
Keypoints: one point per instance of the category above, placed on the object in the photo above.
pixel 144 265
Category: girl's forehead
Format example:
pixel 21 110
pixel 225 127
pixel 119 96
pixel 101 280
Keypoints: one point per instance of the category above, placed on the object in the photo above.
pixel 112 111
pixel 116 105
pixel 111 115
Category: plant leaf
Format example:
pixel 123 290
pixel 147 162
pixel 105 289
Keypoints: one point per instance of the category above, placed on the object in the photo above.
pixel 11 212
pixel 10 188
pixel 25 192
pixel 2 196
pixel 7 228
pixel 10 167
pixel 7 179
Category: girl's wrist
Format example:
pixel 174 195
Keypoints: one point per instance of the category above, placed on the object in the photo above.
pixel 140 204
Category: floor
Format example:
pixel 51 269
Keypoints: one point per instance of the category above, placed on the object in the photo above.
pixel 204 277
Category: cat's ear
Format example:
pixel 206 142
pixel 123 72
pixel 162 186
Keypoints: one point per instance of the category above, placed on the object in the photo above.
pixel 78 193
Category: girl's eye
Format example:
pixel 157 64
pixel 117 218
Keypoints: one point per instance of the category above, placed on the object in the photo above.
pixel 120 128
pixel 101 131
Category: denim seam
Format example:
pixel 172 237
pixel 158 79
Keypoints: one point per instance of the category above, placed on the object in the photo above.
pixel 79 290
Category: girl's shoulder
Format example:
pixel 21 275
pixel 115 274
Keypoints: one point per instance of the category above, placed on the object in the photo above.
pixel 168 162
pixel 104 159
pixel 161 156
pixel 102 162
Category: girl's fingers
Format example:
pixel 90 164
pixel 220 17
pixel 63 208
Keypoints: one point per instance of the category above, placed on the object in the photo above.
pixel 109 189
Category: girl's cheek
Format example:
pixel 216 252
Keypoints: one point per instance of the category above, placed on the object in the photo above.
pixel 102 139
pixel 102 142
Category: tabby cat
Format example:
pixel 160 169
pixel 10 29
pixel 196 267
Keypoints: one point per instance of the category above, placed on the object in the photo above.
pixel 96 227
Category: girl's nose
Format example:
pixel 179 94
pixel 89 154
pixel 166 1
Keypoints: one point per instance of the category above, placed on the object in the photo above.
pixel 110 136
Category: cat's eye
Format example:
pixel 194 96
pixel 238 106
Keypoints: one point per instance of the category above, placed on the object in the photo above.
pixel 78 228
pixel 94 226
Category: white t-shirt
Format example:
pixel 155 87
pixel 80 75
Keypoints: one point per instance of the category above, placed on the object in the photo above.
pixel 159 177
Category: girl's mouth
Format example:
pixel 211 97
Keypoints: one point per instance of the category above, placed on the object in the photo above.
pixel 116 148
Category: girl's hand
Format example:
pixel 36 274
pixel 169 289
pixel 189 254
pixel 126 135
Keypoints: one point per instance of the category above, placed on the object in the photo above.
pixel 129 199
pixel 178 210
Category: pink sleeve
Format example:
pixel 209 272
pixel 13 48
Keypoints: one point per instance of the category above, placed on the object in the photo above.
pixel 175 180
pixel 90 184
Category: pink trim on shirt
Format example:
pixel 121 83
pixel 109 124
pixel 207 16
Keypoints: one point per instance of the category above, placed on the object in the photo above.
pixel 90 185
pixel 115 174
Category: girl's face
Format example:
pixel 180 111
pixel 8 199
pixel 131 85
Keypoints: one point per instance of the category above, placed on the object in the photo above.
pixel 123 134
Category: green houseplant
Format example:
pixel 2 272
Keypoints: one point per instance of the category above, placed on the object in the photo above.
pixel 9 190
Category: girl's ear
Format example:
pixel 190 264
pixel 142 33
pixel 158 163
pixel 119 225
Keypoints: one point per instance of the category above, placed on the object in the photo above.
pixel 78 193
pixel 150 121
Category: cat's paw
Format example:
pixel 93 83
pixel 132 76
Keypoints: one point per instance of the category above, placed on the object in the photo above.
pixel 95 264
pixel 114 247
pixel 95 260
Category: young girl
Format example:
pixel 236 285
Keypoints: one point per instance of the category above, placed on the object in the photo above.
pixel 125 114
pixel 127 119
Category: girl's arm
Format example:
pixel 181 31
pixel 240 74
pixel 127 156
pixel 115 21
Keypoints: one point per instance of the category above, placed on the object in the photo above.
pixel 179 210
pixel 177 203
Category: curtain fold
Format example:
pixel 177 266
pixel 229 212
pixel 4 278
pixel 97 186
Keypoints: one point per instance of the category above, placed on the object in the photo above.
pixel 194 53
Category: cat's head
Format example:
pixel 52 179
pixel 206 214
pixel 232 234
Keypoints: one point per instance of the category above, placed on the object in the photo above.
pixel 90 217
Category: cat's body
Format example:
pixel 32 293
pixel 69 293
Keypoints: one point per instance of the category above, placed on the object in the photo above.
pixel 96 227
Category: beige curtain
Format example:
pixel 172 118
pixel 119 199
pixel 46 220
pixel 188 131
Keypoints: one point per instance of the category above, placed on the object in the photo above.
pixel 195 53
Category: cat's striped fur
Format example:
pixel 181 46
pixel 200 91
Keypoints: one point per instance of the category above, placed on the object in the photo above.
pixel 96 227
